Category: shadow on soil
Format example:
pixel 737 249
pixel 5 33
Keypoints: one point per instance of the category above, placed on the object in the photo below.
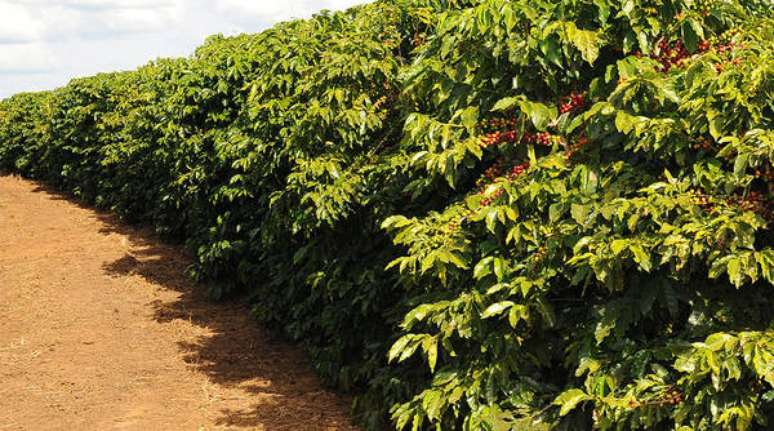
pixel 286 394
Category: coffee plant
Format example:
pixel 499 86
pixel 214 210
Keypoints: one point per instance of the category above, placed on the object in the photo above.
pixel 473 214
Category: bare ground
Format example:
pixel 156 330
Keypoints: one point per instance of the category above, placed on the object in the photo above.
pixel 100 329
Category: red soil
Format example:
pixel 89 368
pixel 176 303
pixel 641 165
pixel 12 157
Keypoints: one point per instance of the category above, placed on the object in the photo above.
pixel 100 329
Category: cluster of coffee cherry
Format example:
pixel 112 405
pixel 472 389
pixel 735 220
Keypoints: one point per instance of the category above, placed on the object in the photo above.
pixel 540 254
pixel 754 201
pixel 670 54
pixel 453 225
pixel 492 172
pixel 384 101
pixel 418 39
pixel 497 138
pixel 488 201
pixel 501 123
pixel 572 102
pixel 495 171
pixel 503 130
pixel 512 136
pixel 518 170
pixel 720 67
pixel 542 138
pixel 705 202
pixel 720 48
pixel 390 95
pixel 703 144
pixel 577 146
pixel 463 215
pixel 766 173
pixel 673 397
pixel 704 7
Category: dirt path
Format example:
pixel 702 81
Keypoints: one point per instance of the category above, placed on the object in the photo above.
pixel 101 330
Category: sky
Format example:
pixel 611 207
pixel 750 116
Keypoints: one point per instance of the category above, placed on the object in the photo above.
pixel 45 43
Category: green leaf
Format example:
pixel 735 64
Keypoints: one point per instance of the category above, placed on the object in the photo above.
pixel 619 245
pixel 551 50
pixel 483 268
pixel 690 38
pixel 740 164
pixel 430 346
pixel 569 399
pixel 693 34
pixel 734 269
pixel 603 8
pixel 470 118
pixel 555 211
pixel 580 213
pixel 625 122
pixel 718 341
pixel 587 42
pixel 517 313
pixel 715 124
pixel 496 309
pixel 506 103
pixel 398 347
pixel 491 220
pixel 641 257
pixel 603 329
pixel 540 114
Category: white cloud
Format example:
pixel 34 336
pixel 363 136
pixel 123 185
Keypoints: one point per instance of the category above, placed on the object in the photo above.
pixel 18 24
pixel 98 4
pixel 115 4
pixel 45 43
pixel 274 10
pixel 26 58
pixel 26 20
pixel 138 19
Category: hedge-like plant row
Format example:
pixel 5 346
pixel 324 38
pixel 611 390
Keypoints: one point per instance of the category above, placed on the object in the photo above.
pixel 474 214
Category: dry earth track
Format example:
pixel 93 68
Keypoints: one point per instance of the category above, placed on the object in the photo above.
pixel 101 330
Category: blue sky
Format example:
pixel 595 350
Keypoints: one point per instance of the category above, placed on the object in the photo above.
pixel 45 43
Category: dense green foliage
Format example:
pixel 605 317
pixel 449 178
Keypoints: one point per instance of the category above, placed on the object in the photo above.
pixel 475 214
